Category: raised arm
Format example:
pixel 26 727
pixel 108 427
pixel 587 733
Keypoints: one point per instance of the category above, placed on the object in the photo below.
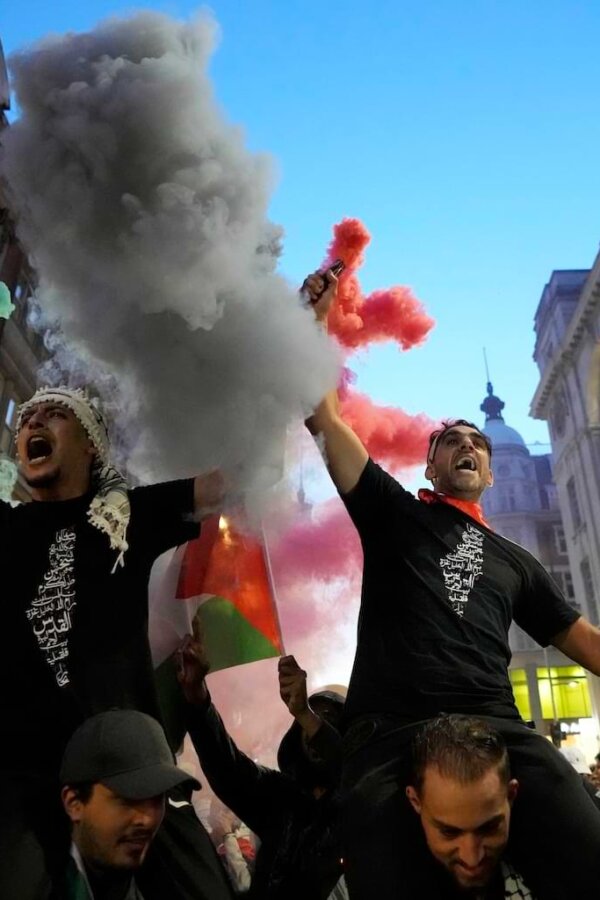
pixel 581 643
pixel 345 456
pixel 209 493
pixel 259 796
pixel 321 737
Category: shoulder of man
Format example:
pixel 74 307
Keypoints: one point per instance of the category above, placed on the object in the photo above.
pixel 134 892
pixel 73 884
pixel 514 886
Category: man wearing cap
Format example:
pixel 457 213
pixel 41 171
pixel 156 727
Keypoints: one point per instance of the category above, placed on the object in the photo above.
pixel 440 591
pixel 74 613
pixel 115 774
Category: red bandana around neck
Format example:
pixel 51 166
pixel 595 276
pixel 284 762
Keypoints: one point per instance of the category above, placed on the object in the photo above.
pixel 469 507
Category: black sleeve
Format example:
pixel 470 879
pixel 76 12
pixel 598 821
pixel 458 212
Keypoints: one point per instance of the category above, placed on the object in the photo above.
pixel 260 797
pixel 376 498
pixel 5 513
pixel 541 609
pixel 327 743
pixel 161 515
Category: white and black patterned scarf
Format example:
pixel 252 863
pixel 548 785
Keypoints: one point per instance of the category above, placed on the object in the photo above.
pixel 110 509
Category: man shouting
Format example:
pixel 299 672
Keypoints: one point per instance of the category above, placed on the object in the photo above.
pixel 440 591
pixel 74 612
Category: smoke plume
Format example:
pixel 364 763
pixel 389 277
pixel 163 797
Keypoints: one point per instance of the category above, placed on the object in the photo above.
pixel 393 438
pixel 145 218
pixel 356 320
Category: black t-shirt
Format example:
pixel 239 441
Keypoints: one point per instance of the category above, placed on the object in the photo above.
pixel 75 635
pixel 439 594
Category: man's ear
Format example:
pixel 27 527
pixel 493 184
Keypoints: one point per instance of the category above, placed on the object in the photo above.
pixel 430 473
pixel 72 803
pixel 512 790
pixel 413 799
pixel 490 480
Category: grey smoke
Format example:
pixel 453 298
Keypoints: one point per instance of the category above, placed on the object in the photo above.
pixel 146 219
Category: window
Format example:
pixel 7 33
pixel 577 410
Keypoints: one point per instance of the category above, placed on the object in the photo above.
pixel 8 429
pixel 573 503
pixel 520 688
pixel 21 296
pixel 568 583
pixel 565 582
pixel 565 694
pixel 559 540
pixel 509 500
pixel 588 590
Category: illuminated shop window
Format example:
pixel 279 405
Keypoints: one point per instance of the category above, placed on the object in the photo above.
pixel 520 688
pixel 565 695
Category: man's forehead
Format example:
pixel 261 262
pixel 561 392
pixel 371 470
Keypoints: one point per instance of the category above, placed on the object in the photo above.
pixel 45 405
pixel 463 805
pixel 461 429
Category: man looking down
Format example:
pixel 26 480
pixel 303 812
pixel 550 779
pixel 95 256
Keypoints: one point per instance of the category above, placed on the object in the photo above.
pixel 463 793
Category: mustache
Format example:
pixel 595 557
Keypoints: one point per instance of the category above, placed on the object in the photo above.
pixel 137 834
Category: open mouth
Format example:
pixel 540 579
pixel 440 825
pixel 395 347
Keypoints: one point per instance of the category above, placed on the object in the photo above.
pixel 466 464
pixel 38 448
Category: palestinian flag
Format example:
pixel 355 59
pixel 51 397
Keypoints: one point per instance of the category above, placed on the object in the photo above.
pixel 223 577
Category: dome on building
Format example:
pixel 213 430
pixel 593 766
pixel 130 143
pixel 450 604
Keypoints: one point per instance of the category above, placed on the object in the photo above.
pixel 500 434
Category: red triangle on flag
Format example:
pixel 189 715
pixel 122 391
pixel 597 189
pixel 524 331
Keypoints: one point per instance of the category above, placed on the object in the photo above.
pixel 226 562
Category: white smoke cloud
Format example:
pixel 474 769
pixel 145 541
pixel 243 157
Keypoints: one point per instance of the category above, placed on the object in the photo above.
pixel 145 218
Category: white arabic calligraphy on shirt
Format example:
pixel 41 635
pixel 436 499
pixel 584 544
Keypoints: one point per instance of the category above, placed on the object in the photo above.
pixel 463 567
pixel 51 613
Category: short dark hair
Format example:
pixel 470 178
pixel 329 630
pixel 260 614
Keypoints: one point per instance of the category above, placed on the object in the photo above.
pixel 447 424
pixel 461 748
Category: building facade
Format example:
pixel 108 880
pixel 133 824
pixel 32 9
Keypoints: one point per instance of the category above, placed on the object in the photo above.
pixel 567 352
pixel 523 506
pixel 21 349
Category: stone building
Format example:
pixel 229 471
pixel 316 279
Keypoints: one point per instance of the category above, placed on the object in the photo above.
pixel 21 349
pixel 523 506
pixel 567 352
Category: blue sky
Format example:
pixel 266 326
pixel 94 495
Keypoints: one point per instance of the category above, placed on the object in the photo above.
pixel 463 134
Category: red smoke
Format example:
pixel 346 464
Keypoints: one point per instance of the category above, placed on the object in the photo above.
pixel 317 562
pixel 392 437
pixel 321 549
pixel 393 314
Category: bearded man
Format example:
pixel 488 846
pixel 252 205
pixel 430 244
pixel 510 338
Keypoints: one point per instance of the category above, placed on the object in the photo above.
pixel 75 614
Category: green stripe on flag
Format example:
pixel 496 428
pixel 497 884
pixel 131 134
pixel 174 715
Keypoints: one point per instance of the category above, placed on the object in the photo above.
pixel 229 638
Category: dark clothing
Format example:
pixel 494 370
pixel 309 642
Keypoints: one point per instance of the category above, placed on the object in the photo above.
pixel 34 835
pixel 75 643
pixel 300 853
pixel 554 832
pixel 439 594
pixel 77 635
pixel 182 861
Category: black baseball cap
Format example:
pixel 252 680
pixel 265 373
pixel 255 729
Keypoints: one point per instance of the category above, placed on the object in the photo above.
pixel 125 750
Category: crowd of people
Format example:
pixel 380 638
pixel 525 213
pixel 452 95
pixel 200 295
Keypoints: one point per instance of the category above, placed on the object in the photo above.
pixel 423 782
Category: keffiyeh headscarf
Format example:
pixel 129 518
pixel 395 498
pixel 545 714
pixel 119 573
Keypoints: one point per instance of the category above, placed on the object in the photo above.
pixel 109 510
